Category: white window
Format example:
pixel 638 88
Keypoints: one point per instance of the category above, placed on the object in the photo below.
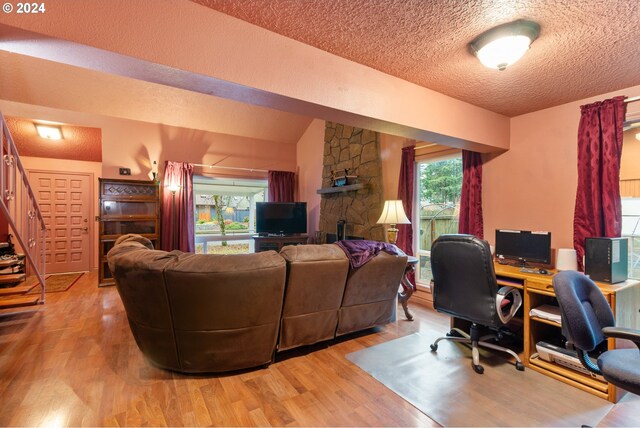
pixel 438 186
pixel 225 214
pixel 631 230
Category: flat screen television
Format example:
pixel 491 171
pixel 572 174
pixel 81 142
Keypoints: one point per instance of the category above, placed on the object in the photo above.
pixel 281 218
pixel 524 246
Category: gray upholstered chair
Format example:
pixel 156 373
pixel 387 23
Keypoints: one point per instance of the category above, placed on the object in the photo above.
pixel 465 287
pixel 587 321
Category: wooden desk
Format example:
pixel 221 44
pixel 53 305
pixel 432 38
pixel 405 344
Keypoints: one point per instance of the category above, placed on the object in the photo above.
pixel 623 297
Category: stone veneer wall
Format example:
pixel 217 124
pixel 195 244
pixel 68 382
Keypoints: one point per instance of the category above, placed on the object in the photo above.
pixel 346 147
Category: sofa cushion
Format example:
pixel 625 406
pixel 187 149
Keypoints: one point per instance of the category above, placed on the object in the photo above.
pixel 316 276
pixel 370 293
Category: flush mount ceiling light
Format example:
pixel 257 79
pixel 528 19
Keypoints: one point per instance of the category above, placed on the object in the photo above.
pixel 49 132
pixel 505 44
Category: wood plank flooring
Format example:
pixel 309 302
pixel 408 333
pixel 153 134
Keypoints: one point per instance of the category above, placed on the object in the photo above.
pixel 73 362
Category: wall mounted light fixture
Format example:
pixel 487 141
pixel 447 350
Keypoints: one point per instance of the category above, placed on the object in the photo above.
pixel 154 170
pixel 50 132
pixel 505 44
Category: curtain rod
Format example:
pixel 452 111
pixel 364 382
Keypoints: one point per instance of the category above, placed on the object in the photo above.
pixel 424 146
pixel 230 167
pixel 632 99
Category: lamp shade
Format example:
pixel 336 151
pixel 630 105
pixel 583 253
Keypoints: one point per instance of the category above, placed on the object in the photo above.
pixel 567 259
pixel 173 187
pixel 393 213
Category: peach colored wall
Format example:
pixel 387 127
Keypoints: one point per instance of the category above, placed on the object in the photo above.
pixel 63 165
pixel 533 185
pixel 629 169
pixel 309 155
pixel 391 156
pixel 237 60
pixel 133 144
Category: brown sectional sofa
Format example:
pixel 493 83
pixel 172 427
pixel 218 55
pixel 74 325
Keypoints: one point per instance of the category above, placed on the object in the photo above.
pixel 197 313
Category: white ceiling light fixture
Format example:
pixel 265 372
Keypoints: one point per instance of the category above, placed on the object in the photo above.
pixel 49 132
pixel 505 44
pixel 638 136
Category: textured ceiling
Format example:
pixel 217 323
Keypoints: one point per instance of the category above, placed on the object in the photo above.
pixel 78 143
pixel 585 47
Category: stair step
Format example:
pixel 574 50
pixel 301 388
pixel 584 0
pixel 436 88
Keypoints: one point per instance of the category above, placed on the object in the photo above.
pixel 11 278
pixel 19 289
pixel 19 301
pixel 8 262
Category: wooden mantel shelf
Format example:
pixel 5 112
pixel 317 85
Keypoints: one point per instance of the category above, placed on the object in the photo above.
pixel 340 189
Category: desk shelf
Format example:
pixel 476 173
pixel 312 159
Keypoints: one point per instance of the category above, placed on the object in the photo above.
pixel 544 321
pixel 572 377
pixel 624 299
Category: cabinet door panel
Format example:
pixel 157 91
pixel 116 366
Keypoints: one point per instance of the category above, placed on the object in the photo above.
pixel 128 208
pixel 122 227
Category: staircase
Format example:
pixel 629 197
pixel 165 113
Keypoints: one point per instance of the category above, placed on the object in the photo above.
pixel 26 224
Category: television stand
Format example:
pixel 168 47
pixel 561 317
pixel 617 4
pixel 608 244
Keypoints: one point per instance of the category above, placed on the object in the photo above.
pixel 266 243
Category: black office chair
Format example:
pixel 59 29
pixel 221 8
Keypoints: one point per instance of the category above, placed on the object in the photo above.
pixel 587 320
pixel 465 287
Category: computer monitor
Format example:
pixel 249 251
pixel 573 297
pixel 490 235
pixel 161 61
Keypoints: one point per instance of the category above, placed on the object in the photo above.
pixel 524 246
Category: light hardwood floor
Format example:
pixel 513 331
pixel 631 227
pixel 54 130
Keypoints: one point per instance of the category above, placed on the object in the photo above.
pixel 74 362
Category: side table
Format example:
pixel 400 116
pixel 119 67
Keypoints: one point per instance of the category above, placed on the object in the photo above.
pixel 407 287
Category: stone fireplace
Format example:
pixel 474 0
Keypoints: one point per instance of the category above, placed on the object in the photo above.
pixel 356 150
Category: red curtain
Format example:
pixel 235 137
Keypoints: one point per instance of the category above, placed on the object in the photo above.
pixel 177 229
pixel 281 186
pixel 598 210
pixel 405 194
pixel 471 196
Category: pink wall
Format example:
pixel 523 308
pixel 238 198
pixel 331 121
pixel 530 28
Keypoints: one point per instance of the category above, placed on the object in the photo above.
pixel 309 155
pixel 133 144
pixel 533 185
pixel 629 169
pixel 224 56
pixel 391 155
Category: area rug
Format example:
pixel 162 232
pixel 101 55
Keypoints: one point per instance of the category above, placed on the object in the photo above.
pixel 56 283
pixel 443 386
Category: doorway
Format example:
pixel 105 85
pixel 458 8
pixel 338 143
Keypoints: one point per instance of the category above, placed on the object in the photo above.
pixel 65 202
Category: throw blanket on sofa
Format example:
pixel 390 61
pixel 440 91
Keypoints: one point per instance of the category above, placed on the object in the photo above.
pixel 360 252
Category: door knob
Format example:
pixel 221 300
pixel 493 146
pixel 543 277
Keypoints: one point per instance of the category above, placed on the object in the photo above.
pixel 86 229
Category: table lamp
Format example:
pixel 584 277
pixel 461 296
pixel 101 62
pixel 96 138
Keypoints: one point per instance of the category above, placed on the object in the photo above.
pixel 392 214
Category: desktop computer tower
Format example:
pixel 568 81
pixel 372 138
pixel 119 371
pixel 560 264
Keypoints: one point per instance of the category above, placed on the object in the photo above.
pixel 606 259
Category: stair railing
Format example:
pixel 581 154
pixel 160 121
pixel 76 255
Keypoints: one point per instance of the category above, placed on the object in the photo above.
pixel 19 205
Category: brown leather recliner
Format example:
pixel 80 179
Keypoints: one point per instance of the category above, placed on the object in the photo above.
pixel 198 313
pixel 370 293
pixel 316 277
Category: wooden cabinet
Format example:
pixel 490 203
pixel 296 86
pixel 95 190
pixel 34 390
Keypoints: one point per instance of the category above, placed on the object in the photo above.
pixel 266 243
pixel 126 206
pixel 624 299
